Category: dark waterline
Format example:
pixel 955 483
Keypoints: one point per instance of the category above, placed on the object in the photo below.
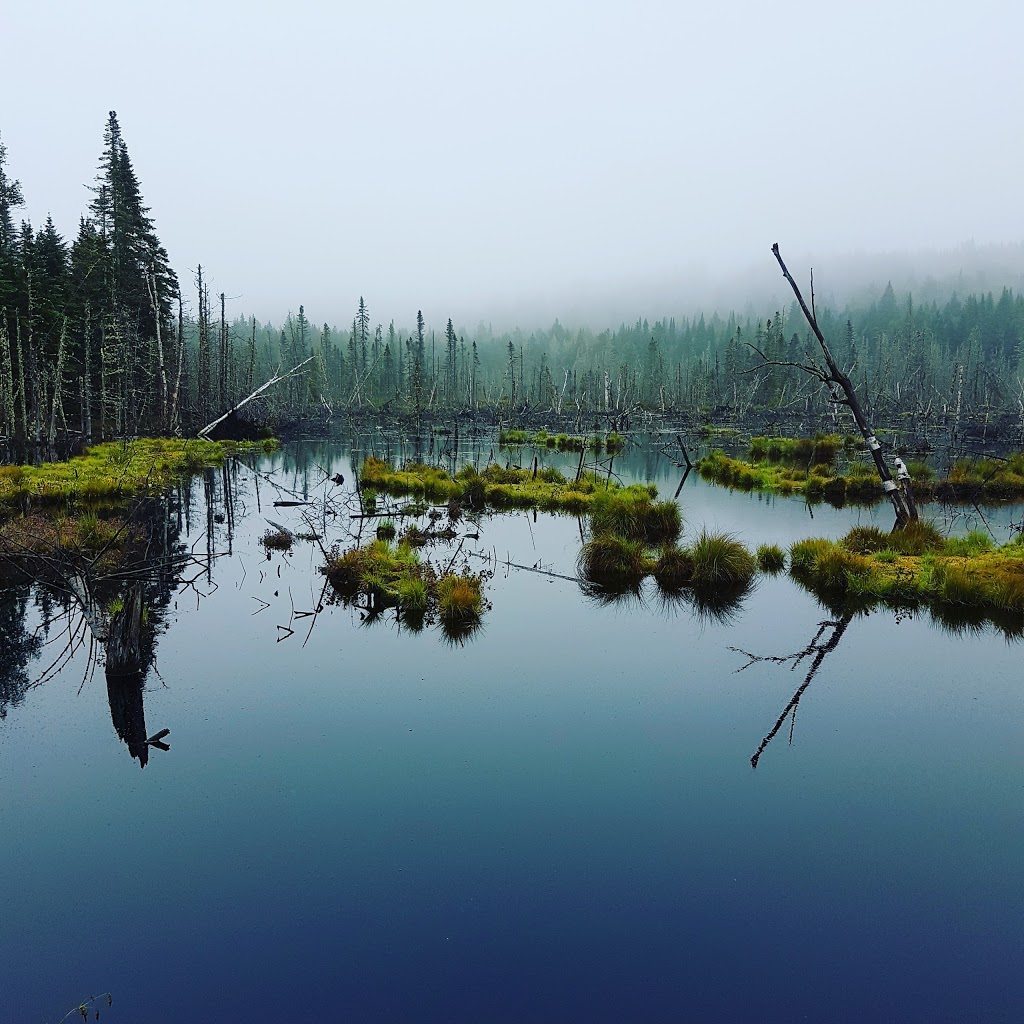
pixel 557 821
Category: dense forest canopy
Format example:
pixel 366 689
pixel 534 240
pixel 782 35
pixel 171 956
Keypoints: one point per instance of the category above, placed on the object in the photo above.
pixel 96 340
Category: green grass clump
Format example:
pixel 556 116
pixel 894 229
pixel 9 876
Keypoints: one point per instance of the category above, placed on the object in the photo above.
pixel 975 543
pixel 721 560
pixel 770 558
pixel 380 575
pixel 821 448
pixel 613 443
pixel 673 569
pixel 963 581
pixel 630 512
pixel 612 559
pixel 459 598
pixel 866 540
pixel 386 530
pixel 496 486
pixel 917 538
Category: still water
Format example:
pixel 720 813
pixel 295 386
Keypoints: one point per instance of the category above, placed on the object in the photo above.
pixel 557 820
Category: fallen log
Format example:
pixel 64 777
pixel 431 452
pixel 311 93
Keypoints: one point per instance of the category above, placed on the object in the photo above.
pixel 276 379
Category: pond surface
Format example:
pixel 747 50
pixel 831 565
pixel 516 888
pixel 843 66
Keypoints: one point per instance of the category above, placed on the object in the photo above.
pixel 558 820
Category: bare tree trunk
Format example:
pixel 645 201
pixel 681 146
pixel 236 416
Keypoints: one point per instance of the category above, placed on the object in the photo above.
pixel 87 377
pixel 154 301
pixel 6 379
pixel 836 377
pixel 174 419
pixel 51 436
pixel 20 361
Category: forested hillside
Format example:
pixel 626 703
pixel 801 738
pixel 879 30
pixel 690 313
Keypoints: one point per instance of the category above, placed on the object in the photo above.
pixel 97 339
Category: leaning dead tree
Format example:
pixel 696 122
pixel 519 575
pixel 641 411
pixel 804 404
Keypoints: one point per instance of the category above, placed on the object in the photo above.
pixel 841 389
pixel 276 379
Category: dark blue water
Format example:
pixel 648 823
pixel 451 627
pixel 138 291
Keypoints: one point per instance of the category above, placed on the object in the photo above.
pixel 557 821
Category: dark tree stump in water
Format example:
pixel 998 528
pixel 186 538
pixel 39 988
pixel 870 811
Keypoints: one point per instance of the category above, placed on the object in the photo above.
pixel 124 694
pixel 124 646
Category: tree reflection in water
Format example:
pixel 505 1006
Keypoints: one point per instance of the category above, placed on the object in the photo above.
pixel 823 643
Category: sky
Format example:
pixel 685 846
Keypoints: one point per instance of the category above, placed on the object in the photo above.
pixel 512 162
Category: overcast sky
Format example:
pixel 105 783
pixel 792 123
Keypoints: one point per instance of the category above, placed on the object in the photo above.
pixel 508 161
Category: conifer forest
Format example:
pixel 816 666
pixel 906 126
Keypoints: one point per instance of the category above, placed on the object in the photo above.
pixel 100 337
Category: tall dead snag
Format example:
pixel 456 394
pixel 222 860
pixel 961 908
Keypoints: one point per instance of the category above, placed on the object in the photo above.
pixel 837 381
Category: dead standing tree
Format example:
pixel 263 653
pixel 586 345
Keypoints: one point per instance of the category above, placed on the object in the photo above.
pixel 841 389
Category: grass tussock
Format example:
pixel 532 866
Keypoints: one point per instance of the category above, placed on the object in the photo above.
pixel 386 530
pixel 381 576
pixel 771 559
pixel 721 560
pixel 631 512
pixel 917 566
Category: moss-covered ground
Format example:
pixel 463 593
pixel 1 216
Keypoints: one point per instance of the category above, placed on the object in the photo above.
pixel 109 474
pixel 808 467
pixel 497 487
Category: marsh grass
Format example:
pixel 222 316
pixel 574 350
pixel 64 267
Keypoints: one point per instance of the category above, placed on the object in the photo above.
pixel 673 569
pixel 386 576
pixel 807 466
pixel 821 448
pixel 110 474
pixel 613 443
pixel 771 559
pixel 719 559
pixel 632 513
pixel 386 530
pixel 495 486
pixel 916 566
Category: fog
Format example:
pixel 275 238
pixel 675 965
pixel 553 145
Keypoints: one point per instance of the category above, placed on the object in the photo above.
pixel 595 161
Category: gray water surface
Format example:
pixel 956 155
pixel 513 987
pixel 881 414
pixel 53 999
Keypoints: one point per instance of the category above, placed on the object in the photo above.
pixel 557 820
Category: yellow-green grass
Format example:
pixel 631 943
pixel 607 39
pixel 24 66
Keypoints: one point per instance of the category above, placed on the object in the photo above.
pixel 771 558
pixel 968 479
pixel 712 562
pixel 395 576
pixel 612 442
pixel 110 473
pixel 498 487
pixel 805 451
pixel 920 568
pixel 859 484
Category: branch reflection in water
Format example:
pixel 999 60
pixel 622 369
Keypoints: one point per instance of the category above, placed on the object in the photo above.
pixel 821 645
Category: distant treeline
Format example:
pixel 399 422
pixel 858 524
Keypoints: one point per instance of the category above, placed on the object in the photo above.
pixel 95 340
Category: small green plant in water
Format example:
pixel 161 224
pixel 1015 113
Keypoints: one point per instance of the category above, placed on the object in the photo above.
pixel 771 558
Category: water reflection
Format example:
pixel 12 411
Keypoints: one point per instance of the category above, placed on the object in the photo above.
pixel 822 644
pixel 105 603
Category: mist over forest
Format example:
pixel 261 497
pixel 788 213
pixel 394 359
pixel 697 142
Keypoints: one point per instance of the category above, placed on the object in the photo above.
pixel 101 335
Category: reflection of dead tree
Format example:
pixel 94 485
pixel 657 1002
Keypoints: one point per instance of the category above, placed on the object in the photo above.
pixel 819 648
